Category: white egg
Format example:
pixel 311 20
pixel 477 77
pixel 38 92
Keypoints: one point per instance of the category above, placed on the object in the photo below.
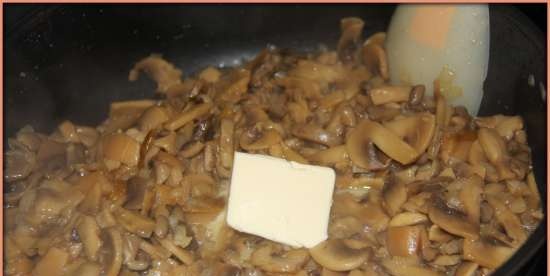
pixel 425 40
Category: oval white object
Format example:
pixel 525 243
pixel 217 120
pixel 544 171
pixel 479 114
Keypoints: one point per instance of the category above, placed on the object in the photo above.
pixel 423 40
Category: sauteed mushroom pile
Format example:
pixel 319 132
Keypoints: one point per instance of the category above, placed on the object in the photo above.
pixel 422 187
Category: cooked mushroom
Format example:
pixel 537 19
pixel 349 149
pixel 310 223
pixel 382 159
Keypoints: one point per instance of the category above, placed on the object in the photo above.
pixel 470 197
pixel 112 251
pixel 403 241
pixel 452 220
pixel 417 130
pixel 388 141
pixel 335 255
pixel 485 254
pixel 466 269
pixel 53 262
pixel 291 261
pixel 134 222
pixel 87 269
pixel 316 134
pixel 408 218
pixel 507 219
pixel 495 149
pixel 89 232
pixel 258 140
pixel 121 148
pixel 374 56
pixel 152 118
pixel 389 94
pixel 351 29
pixel 399 266
pixel 164 73
pixel 188 116
pixel 330 156
pixel 394 194
pixel 362 152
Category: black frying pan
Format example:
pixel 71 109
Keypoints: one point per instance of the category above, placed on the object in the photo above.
pixel 70 61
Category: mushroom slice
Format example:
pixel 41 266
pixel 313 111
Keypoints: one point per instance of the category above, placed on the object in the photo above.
pixel 134 222
pixel 88 231
pixel 507 218
pixel 403 241
pixel 408 218
pixel 470 197
pixel 336 255
pixel 485 254
pixel 152 118
pixel 389 94
pixel 351 28
pixel 447 260
pixel 362 151
pixel 122 148
pixel 288 262
pixel 256 140
pixel 387 141
pixel 394 194
pixel 438 235
pixel 183 255
pixel 87 269
pixel 399 266
pixel 452 220
pixel 466 269
pixel 374 57
pixel 112 250
pixel 164 73
pixel 53 262
pixel 316 134
pixel 417 130
pixel 330 156
pixel 188 116
pixel 495 149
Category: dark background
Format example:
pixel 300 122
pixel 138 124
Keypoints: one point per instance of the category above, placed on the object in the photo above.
pixel 27 12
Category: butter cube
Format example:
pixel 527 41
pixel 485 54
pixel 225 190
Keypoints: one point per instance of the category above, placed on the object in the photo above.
pixel 282 201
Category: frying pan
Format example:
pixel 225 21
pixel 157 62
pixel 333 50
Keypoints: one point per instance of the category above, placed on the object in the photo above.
pixel 70 61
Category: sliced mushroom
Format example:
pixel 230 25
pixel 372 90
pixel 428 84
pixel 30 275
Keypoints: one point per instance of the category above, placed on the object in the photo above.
pixel 188 116
pixel 316 134
pixel 227 147
pixel 183 255
pixel 164 73
pixel 452 220
pixel 389 94
pixel 288 262
pixel 330 156
pixel 438 235
pixel 485 254
pixel 403 241
pixel 351 30
pixel 121 148
pixel 417 130
pixel 470 197
pixel 112 251
pixel 399 266
pixel 336 255
pixel 394 194
pixel 134 222
pixel 507 219
pixel 256 140
pixel 362 151
pixel 374 57
pixel 408 218
pixel 89 232
pixel 447 260
pixel 87 269
pixel 152 118
pixel 495 149
pixel 387 141
pixel 53 262
pixel 466 269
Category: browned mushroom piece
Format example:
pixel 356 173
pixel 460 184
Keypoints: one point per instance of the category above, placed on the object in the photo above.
pixel 486 254
pixel 399 266
pixel 470 197
pixel 351 30
pixel 336 255
pixel 362 151
pixel 416 130
pixel 89 232
pixel 164 73
pixel 330 156
pixel 389 94
pixel 466 269
pixel 152 118
pixel 403 241
pixel 387 141
pixel 509 221
pixel 394 194
pixel 111 251
pixel 53 262
pixel 254 139
pixel 495 149
pixel 374 55
pixel 451 220
pixel 265 257
pixel 316 134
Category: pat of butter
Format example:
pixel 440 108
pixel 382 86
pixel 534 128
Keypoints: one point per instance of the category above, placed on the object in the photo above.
pixel 282 201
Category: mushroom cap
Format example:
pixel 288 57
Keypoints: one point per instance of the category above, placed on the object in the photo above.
pixel 335 255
